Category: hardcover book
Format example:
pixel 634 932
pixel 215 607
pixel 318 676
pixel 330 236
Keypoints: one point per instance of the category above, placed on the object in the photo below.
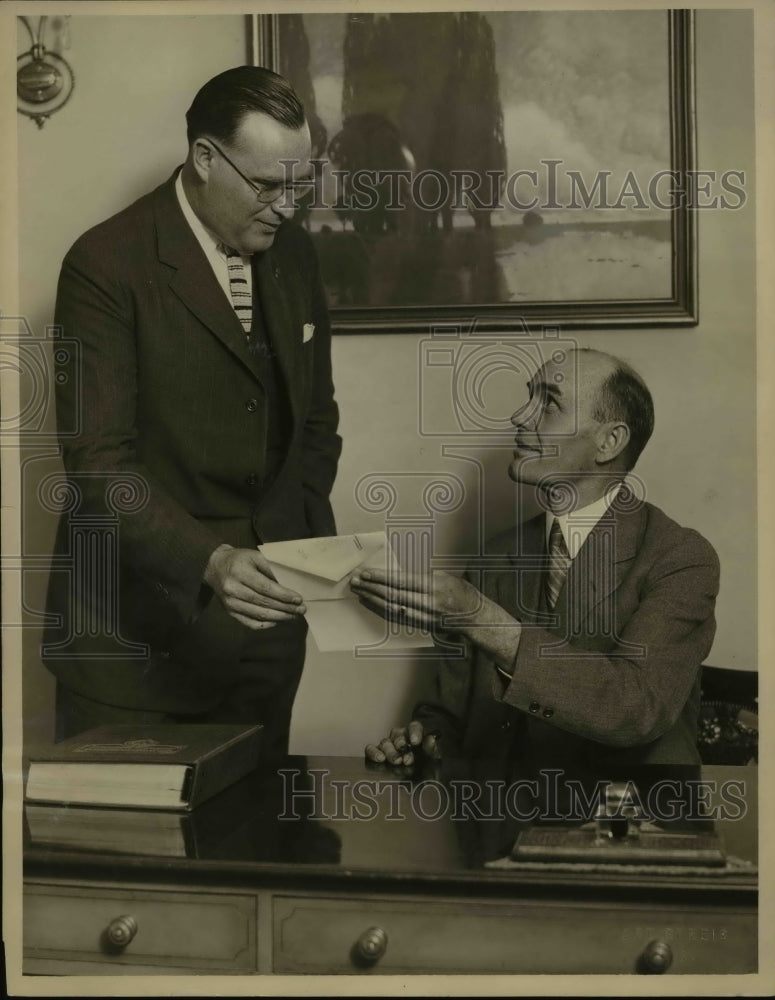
pixel 242 822
pixel 109 829
pixel 150 767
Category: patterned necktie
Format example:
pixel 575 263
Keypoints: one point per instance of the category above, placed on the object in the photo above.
pixel 559 561
pixel 241 298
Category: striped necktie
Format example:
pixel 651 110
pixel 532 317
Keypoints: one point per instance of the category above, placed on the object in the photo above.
pixel 559 561
pixel 241 298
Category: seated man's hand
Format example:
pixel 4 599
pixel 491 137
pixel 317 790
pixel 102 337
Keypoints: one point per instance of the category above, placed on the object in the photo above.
pixel 245 585
pixel 400 746
pixel 425 601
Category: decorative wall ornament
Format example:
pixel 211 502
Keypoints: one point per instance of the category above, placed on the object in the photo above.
pixel 44 79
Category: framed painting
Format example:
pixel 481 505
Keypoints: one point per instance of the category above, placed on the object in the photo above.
pixel 484 169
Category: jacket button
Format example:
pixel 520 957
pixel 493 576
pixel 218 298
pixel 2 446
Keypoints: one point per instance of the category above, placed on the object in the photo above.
pixel 252 479
pixel 165 654
pixel 276 272
pixel 252 405
pixel 505 726
pixel 548 713
pixel 533 707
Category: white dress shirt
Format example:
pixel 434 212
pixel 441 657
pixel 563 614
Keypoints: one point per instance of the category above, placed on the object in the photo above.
pixel 212 246
pixel 577 525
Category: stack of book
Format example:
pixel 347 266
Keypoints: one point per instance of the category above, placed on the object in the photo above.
pixel 130 789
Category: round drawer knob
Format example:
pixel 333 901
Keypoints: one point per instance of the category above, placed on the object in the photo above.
pixel 371 945
pixel 656 958
pixel 120 932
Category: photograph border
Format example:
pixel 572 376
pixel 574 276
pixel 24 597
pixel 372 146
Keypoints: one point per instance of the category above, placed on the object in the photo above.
pixel 588 984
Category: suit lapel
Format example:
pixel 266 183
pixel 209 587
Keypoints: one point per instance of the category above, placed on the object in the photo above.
pixel 600 565
pixel 193 280
pixel 598 569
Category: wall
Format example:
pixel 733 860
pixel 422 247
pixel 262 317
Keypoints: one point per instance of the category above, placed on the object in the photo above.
pixel 125 125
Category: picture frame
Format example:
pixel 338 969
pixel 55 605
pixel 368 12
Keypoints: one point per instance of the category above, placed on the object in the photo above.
pixel 623 260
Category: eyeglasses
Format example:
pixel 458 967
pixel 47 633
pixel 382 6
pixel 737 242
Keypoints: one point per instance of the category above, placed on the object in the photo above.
pixel 267 191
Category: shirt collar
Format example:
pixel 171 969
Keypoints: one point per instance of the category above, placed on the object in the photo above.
pixel 207 240
pixel 577 525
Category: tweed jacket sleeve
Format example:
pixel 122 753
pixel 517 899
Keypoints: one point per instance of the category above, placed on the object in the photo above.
pixel 616 666
pixel 621 672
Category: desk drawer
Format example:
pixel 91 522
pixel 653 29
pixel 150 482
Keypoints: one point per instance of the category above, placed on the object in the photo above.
pixel 168 929
pixel 320 936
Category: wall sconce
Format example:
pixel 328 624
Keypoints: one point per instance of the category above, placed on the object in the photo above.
pixel 44 80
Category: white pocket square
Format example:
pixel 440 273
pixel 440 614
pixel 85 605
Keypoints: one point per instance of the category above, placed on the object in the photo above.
pixel 307 332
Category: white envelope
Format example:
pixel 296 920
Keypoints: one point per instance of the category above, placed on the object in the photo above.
pixel 320 569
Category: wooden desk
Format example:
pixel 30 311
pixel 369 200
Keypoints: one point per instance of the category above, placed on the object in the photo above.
pixel 329 892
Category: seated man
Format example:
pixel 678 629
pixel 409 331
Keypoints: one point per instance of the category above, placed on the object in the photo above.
pixel 584 628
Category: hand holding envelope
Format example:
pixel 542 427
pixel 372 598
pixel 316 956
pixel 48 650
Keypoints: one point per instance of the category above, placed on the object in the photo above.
pixel 247 589
pixel 438 601
pixel 320 569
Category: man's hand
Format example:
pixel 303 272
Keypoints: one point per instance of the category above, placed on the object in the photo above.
pixel 441 602
pixel 425 601
pixel 243 580
pixel 398 748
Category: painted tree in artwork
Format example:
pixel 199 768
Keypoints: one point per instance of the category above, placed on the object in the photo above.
pixel 295 67
pixel 431 80
pixel 468 133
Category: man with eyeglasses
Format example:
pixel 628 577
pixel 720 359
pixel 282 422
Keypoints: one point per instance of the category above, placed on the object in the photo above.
pixel 206 420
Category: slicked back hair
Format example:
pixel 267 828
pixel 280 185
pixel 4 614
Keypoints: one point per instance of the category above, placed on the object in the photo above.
pixel 223 102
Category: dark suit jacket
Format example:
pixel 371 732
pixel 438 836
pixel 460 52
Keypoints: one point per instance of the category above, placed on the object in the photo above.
pixel 171 444
pixel 612 677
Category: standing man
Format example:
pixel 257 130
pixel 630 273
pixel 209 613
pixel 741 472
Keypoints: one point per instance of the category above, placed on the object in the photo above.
pixel 206 425
pixel 584 628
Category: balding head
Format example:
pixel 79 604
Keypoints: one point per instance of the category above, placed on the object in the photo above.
pixel 587 420
pixel 619 394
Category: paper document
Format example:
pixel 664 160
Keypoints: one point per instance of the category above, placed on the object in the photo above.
pixel 320 569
